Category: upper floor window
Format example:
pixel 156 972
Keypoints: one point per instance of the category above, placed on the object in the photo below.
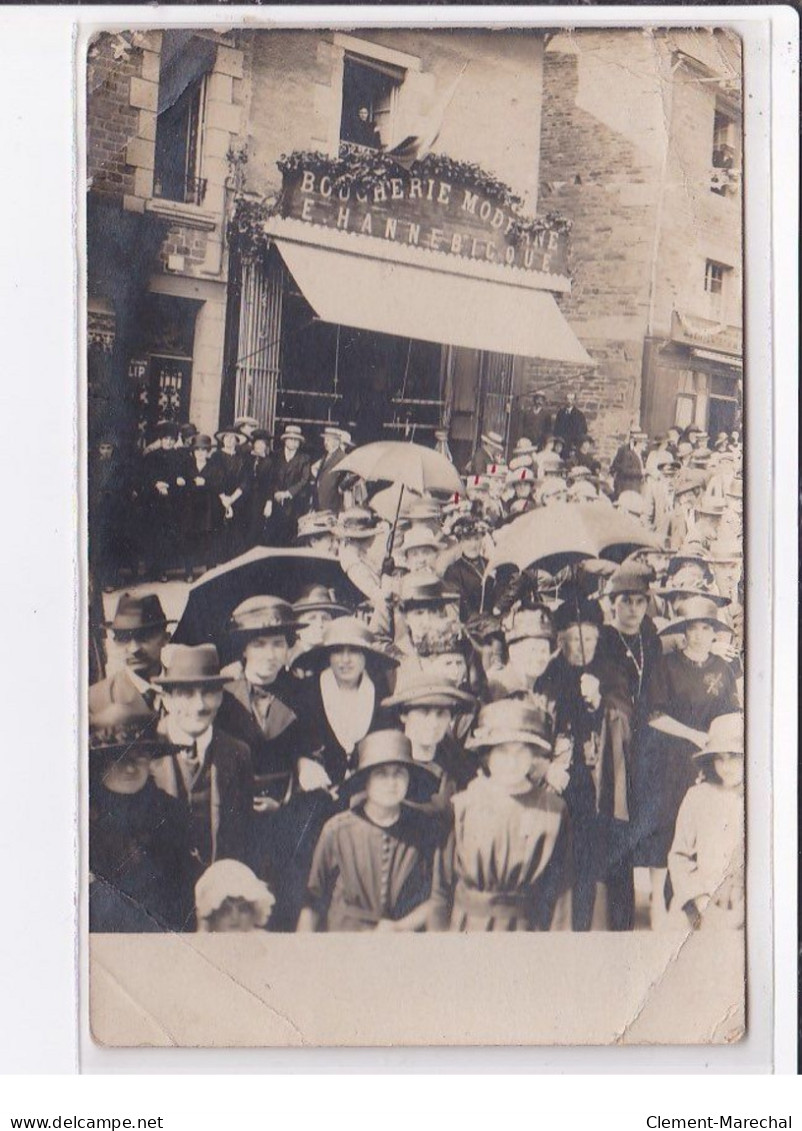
pixel 186 62
pixel 370 102
pixel 716 285
pixel 725 152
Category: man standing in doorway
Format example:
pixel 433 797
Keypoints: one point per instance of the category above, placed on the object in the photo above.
pixel 571 424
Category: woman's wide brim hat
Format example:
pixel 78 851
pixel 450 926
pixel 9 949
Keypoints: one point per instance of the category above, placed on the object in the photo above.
pixel 631 577
pixel 424 588
pixel 725 736
pixel 264 616
pixel 692 611
pixel 238 436
pixel 319 599
pixel 386 748
pixel 123 727
pixel 344 632
pixel 684 594
pixel 187 665
pixel 511 720
pixel 416 688
pixel 357 522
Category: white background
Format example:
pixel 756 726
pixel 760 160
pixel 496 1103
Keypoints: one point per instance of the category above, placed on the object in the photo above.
pixel 39 1022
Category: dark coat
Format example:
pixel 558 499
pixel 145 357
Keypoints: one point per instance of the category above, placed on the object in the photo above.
pixel 258 480
pixel 571 424
pixel 295 476
pixel 319 740
pixel 627 470
pixel 327 485
pixel 466 578
pixel 234 773
pixel 273 758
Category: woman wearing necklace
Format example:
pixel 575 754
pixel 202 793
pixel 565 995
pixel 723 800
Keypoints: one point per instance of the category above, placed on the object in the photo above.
pixel 690 687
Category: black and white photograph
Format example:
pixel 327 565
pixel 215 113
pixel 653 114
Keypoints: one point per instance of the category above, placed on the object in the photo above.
pixel 414 581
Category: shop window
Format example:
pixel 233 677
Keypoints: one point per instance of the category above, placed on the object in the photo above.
pixel 369 102
pixel 692 399
pixel 716 286
pixel 185 65
pixel 725 155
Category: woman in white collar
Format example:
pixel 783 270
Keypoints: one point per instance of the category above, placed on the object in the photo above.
pixel 342 703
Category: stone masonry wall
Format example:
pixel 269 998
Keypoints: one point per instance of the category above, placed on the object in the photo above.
pixel 607 186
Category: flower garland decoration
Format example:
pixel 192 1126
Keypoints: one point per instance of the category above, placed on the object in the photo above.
pixel 366 169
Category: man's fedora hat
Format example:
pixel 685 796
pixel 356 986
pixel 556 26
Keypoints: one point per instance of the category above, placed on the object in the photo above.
pixel 415 688
pixel 511 720
pixel 631 577
pixel 240 437
pixel 318 599
pixel 332 430
pixel 264 616
pixel 725 736
pixel 135 613
pixel 292 432
pixel 186 665
pixel 696 609
pixel 344 632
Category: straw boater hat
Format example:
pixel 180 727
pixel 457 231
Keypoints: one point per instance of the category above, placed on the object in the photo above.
pixel 246 422
pixel 424 588
pixel 188 666
pixel 493 440
pixel 333 430
pixel 292 432
pixel 357 522
pixel 318 599
pixel 511 720
pixel 523 447
pixel 522 475
pixel 697 609
pixel 264 616
pixel 136 613
pixel 530 624
pixel 725 736
pixel 238 436
pixel 316 522
pixel 415 688
pixel 631 577
pixel 344 632
pixel 230 879
pixel 420 537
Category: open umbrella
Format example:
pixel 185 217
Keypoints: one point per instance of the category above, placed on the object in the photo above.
pixel 567 533
pixel 277 572
pixel 397 461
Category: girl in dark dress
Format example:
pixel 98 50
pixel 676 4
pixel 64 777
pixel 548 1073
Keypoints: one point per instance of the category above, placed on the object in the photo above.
pixel 691 687
pixel 230 470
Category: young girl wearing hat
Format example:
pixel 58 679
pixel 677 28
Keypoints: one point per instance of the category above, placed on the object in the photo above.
pixel 229 897
pixel 705 863
pixel 373 865
pixel 691 686
pixel 507 864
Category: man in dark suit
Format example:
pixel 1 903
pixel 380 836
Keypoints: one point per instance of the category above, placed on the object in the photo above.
pixel 327 483
pixel 140 628
pixel 627 467
pixel 207 770
pixel 571 424
pixel 534 421
pixel 291 477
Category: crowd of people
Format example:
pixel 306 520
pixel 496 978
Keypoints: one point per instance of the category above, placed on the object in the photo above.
pixel 459 748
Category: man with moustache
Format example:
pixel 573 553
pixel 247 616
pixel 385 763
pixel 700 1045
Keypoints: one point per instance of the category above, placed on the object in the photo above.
pixel 139 628
pixel 206 769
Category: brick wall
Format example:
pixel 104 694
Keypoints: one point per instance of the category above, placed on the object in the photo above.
pixel 111 119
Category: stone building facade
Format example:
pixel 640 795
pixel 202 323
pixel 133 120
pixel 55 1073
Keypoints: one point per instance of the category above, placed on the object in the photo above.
pixel 640 147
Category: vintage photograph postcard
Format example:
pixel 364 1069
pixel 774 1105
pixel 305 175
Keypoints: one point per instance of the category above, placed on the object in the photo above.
pixel 415 606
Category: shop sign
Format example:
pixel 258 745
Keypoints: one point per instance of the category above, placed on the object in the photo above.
pixel 427 212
